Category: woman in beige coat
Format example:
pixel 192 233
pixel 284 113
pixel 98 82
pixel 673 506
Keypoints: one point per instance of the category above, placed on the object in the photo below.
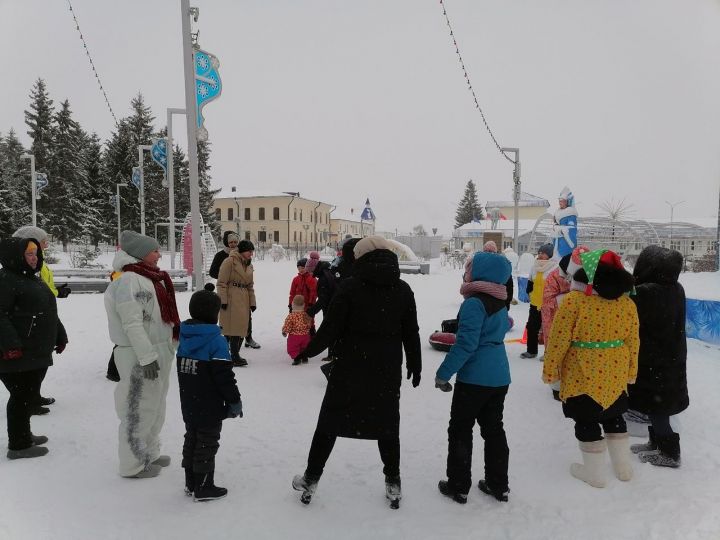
pixel 235 287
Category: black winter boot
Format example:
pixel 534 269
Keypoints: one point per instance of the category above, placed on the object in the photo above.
pixel 250 342
pixel 669 452
pixel 649 446
pixel 189 482
pixel 306 484
pixel 393 492
pixel 205 488
pixel 235 344
pixel 501 496
pixel 449 491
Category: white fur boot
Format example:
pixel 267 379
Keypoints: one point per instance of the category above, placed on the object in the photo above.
pixel 619 449
pixel 592 470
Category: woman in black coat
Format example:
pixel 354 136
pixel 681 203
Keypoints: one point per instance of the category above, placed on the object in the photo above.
pixel 371 319
pixel 29 331
pixel 660 390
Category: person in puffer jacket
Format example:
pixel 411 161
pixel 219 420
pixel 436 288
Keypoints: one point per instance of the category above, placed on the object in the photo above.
pixel 593 352
pixel 208 393
pixel 480 363
pixel 144 324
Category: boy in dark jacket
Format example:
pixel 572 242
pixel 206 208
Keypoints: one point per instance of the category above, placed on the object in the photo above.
pixel 208 393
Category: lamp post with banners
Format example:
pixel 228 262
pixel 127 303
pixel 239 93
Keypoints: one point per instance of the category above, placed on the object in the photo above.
pixel 171 184
pixel 516 192
pixel 38 181
pixel 117 210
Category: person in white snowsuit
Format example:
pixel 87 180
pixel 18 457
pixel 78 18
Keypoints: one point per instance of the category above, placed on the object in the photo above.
pixel 143 323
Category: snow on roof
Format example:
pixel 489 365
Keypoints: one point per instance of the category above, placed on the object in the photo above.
pixel 506 226
pixel 526 199
pixel 242 192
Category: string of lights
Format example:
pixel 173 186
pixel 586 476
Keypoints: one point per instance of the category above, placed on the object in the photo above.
pixel 470 87
pixel 92 64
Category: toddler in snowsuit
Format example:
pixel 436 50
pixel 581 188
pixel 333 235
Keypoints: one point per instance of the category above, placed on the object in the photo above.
pixel 208 393
pixel 593 352
pixel 297 329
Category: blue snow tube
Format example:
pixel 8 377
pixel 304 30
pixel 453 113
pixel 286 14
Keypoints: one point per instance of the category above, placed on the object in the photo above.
pixel 703 320
pixel 522 289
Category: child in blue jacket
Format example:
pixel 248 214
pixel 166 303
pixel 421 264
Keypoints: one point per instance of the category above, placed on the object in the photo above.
pixel 480 363
pixel 208 393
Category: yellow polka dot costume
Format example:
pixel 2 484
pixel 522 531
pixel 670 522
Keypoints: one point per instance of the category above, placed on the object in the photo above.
pixel 594 342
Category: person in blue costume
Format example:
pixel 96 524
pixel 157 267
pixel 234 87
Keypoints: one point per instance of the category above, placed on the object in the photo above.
pixel 565 224
pixel 480 363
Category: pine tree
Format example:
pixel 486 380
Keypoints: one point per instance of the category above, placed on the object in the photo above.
pixel 63 200
pixel 469 207
pixel 39 120
pixel 96 194
pixel 207 194
pixel 119 158
pixel 14 186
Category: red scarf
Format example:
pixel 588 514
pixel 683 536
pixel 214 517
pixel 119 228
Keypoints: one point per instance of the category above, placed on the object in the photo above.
pixel 165 294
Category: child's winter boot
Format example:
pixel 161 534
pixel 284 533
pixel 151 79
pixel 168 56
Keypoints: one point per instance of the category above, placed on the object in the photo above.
pixel 393 492
pixel 449 491
pixel 189 482
pixel 649 446
pixel 619 449
pixel 500 494
pixel 592 469
pixel 306 484
pixel 669 452
pixel 205 488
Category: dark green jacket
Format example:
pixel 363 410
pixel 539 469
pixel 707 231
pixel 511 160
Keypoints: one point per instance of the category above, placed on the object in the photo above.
pixel 28 312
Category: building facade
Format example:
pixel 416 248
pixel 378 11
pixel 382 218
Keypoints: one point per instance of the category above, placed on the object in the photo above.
pixel 274 219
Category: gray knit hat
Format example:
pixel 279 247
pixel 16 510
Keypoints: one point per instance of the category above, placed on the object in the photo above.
pixel 28 231
pixel 137 245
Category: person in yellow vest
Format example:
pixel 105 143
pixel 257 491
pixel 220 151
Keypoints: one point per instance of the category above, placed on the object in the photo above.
pixel 41 237
pixel 593 352
pixel 541 268
pixel 46 274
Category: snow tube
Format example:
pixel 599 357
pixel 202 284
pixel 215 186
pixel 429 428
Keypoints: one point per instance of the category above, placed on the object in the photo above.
pixel 442 341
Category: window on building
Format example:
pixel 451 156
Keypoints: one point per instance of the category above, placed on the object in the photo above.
pixel 294 214
pixel 301 214
pixel 294 236
pixel 247 214
pixel 262 236
pixel 276 236
pixel 692 245
pixel 261 214
pixel 276 213
pixel 218 214
pixel 230 214
pixel 247 235
pixel 315 217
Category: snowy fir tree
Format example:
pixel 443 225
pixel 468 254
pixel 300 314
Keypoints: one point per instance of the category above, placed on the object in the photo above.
pixel 39 120
pixel 14 185
pixel 207 194
pixel 96 194
pixel 63 201
pixel 119 158
pixel 469 207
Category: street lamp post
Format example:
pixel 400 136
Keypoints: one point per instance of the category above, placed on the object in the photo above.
pixel 33 187
pixel 117 210
pixel 142 147
pixel 171 184
pixel 672 209
pixel 516 192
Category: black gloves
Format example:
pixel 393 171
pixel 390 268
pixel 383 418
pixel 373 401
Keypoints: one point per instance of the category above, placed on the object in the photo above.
pixel 60 347
pixel 223 306
pixel 415 377
pixel 443 385
pixel 290 308
pixel 252 308
pixel 234 410
pixel 151 371
pixel 64 291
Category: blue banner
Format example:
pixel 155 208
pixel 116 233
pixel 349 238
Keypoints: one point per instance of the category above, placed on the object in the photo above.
pixel 159 153
pixel 136 176
pixel 208 85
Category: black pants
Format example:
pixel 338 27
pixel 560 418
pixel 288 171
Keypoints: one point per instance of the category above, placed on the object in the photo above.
pixel 589 416
pixel 661 425
pixel 322 445
pixel 41 377
pixel 249 330
pixel 235 344
pixel 24 388
pixel 482 404
pixel 200 447
pixel 534 323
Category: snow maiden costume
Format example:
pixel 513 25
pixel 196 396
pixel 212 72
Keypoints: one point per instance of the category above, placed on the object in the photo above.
pixel 565 224
pixel 593 351
pixel 144 325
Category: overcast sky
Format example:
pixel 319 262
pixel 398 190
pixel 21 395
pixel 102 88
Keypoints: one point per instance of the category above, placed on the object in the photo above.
pixel 343 100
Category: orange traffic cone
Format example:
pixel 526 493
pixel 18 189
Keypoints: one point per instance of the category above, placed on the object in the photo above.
pixel 523 340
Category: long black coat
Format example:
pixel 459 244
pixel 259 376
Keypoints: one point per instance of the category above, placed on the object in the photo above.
pixel 28 312
pixel 373 317
pixel 661 385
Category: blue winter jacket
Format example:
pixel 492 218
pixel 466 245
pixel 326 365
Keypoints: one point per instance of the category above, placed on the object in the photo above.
pixel 205 374
pixel 478 356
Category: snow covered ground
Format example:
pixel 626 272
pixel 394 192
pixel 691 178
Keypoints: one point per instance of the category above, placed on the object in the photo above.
pixel 75 493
